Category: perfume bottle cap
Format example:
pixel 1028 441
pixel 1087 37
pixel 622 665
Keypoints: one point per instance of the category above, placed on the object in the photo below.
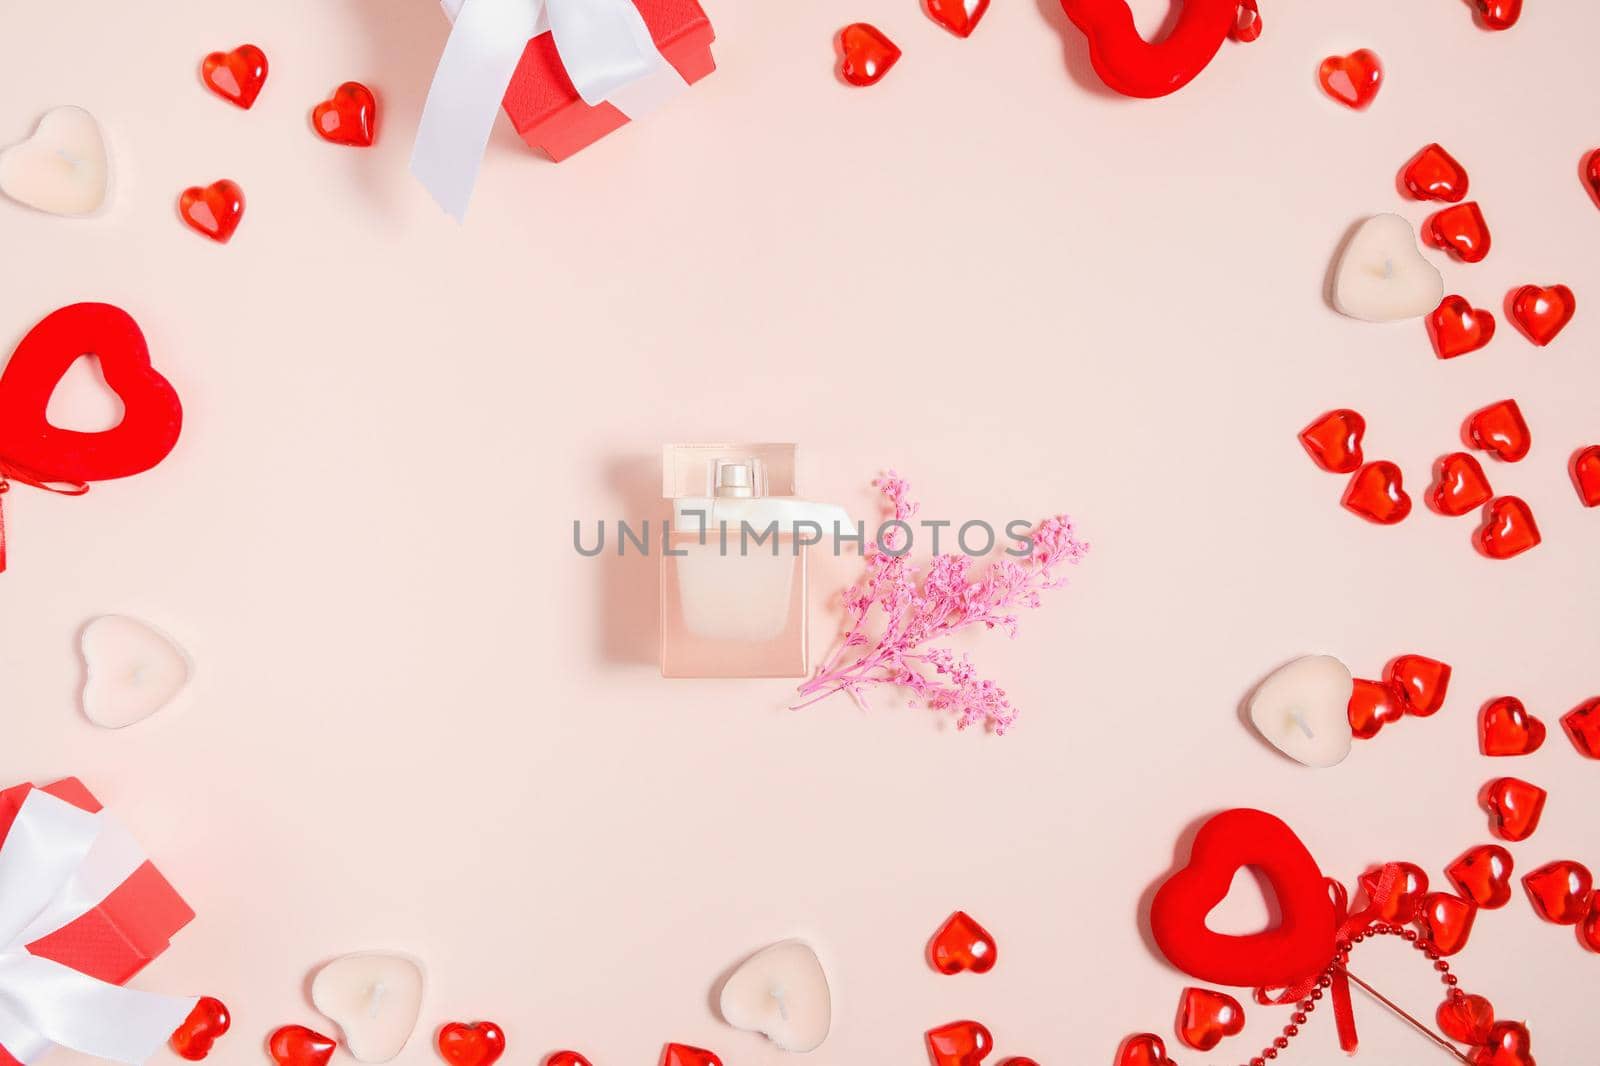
pixel 740 479
pixel 695 470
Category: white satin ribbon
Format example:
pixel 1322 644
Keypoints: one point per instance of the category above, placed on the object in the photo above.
pixel 57 864
pixel 604 45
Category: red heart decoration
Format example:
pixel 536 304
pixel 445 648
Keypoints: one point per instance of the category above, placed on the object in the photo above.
pixel 1508 529
pixel 1589 928
pixel 295 1045
pixel 684 1055
pixel 1353 80
pixel 566 1058
pixel 959 1044
pixel 213 210
pixel 471 1043
pixel 1405 898
pixel 1586 474
pixel 1206 1017
pixel 1560 891
pixel 1373 705
pixel 1500 430
pixel 962 944
pixel 1542 312
pixel 1133 66
pixel 1247 23
pixel 1446 921
pixel 1500 14
pixel 348 117
pixel 1514 807
pixel 236 76
pixel 1456 327
pixel 1459 485
pixel 1582 724
pixel 1376 494
pixel 1143 1049
pixel 1591 174
pixel 956 16
pixel 1433 174
pixel 1508 1045
pixel 1422 683
pixel 1334 440
pixel 865 54
pixel 1020 1061
pixel 1466 1019
pixel 1302 942
pixel 1506 728
pixel 1459 230
pixel 1483 875
pixel 205 1024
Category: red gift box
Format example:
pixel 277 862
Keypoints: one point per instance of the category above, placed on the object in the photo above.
pixel 547 111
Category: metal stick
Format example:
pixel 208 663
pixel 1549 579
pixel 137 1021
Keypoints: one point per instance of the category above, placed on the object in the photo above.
pixel 1448 1047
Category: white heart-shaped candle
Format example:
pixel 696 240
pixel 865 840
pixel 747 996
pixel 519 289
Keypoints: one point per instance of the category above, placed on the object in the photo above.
pixel 1303 710
pixel 1382 275
pixel 374 997
pixel 131 670
pixel 63 168
pixel 781 992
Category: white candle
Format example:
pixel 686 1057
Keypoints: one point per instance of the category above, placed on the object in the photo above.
pixel 1382 276
pixel 1303 710
pixel 374 998
pixel 62 168
pixel 781 992
pixel 131 670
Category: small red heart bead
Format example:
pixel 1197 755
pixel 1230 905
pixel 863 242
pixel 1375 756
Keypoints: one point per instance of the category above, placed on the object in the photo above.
pixel 214 210
pixel 1589 928
pixel 865 54
pixel 1582 724
pixel 1560 891
pixel 1021 1061
pixel 962 944
pixel 1405 899
pixel 958 16
pixel 1446 921
pixel 1334 440
pixel 566 1058
pixel 1459 230
pixel 684 1055
pixel 1483 875
pixel 1506 728
pixel 1591 174
pixel 1354 79
pixel 1500 430
pixel 1466 1020
pixel 1143 1049
pixel 1508 1045
pixel 201 1029
pixel 1373 704
pixel 236 76
pixel 471 1043
pixel 1542 312
pixel 1586 474
pixel 1433 174
pixel 1499 14
pixel 1376 494
pixel 1247 22
pixel 1421 682
pixel 1206 1017
pixel 1514 807
pixel 1456 327
pixel 1459 486
pixel 959 1044
pixel 349 116
pixel 1508 529
pixel 295 1045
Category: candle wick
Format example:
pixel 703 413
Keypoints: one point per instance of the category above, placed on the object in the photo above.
pixel 778 993
pixel 1305 727
pixel 1388 268
pixel 375 999
pixel 71 160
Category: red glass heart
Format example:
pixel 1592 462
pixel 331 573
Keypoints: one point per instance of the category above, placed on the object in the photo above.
pixel 1422 683
pixel 1354 79
pixel 684 1055
pixel 1500 430
pixel 349 117
pixel 962 944
pixel 1018 1062
pixel 1143 1049
pixel 1586 474
pixel 205 1024
pixel 1589 928
pixel 566 1058
pixel 1466 1019
pixel 1334 440
pixel 959 1044
pixel 1500 14
pixel 1506 728
pixel 1460 230
pixel 1514 807
pixel 1433 174
pixel 1446 921
pixel 1376 494
pixel 1508 529
pixel 295 1045
pixel 865 54
pixel 1591 174
pixel 1129 64
pixel 1459 485
pixel 1456 327
pixel 1483 875
pixel 471 1043
pixel 1373 704
pixel 1582 724
pixel 213 210
pixel 1560 891
pixel 1508 1045
pixel 236 76
pixel 1206 1017
pixel 1405 898
pixel 1542 312
pixel 957 16
pixel 1247 23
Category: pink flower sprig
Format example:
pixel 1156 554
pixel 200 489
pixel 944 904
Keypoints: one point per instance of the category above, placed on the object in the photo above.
pixel 948 599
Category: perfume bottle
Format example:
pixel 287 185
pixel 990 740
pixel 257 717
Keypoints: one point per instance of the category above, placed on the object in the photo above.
pixel 733 562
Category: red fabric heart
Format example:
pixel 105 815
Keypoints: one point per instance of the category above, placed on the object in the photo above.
pixel 1508 1045
pixel 1483 875
pixel 1143 1049
pixel 1586 474
pixel 1133 66
pixel 1460 230
pixel 1446 921
pixel 1514 807
pixel 1506 728
pixel 1434 174
pixel 236 76
pixel 1377 494
pixel 1542 312
pixel 865 54
pixel 1582 724
pixel 1459 485
pixel 1456 327
pixel 349 117
pixel 962 944
pixel 1466 1019
pixel 1334 440
pixel 684 1055
pixel 471 1044
pixel 1508 529
pixel 1500 430
pixel 1499 14
pixel 1205 1018
pixel 954 16
pixel 295 1045
pixel 1422 683
pixel 1560 891
pixel 1373 705
pixel 1405 897
pixel 1353 80
pixel 204 1026
pixel 959 1044
pixel 213 210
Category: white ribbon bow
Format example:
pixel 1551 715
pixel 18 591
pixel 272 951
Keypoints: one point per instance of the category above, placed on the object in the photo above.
pixel 57 864
pixel 604 45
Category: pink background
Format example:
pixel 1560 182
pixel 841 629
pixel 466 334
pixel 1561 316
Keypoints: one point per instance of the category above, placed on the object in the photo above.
pixel 421 722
